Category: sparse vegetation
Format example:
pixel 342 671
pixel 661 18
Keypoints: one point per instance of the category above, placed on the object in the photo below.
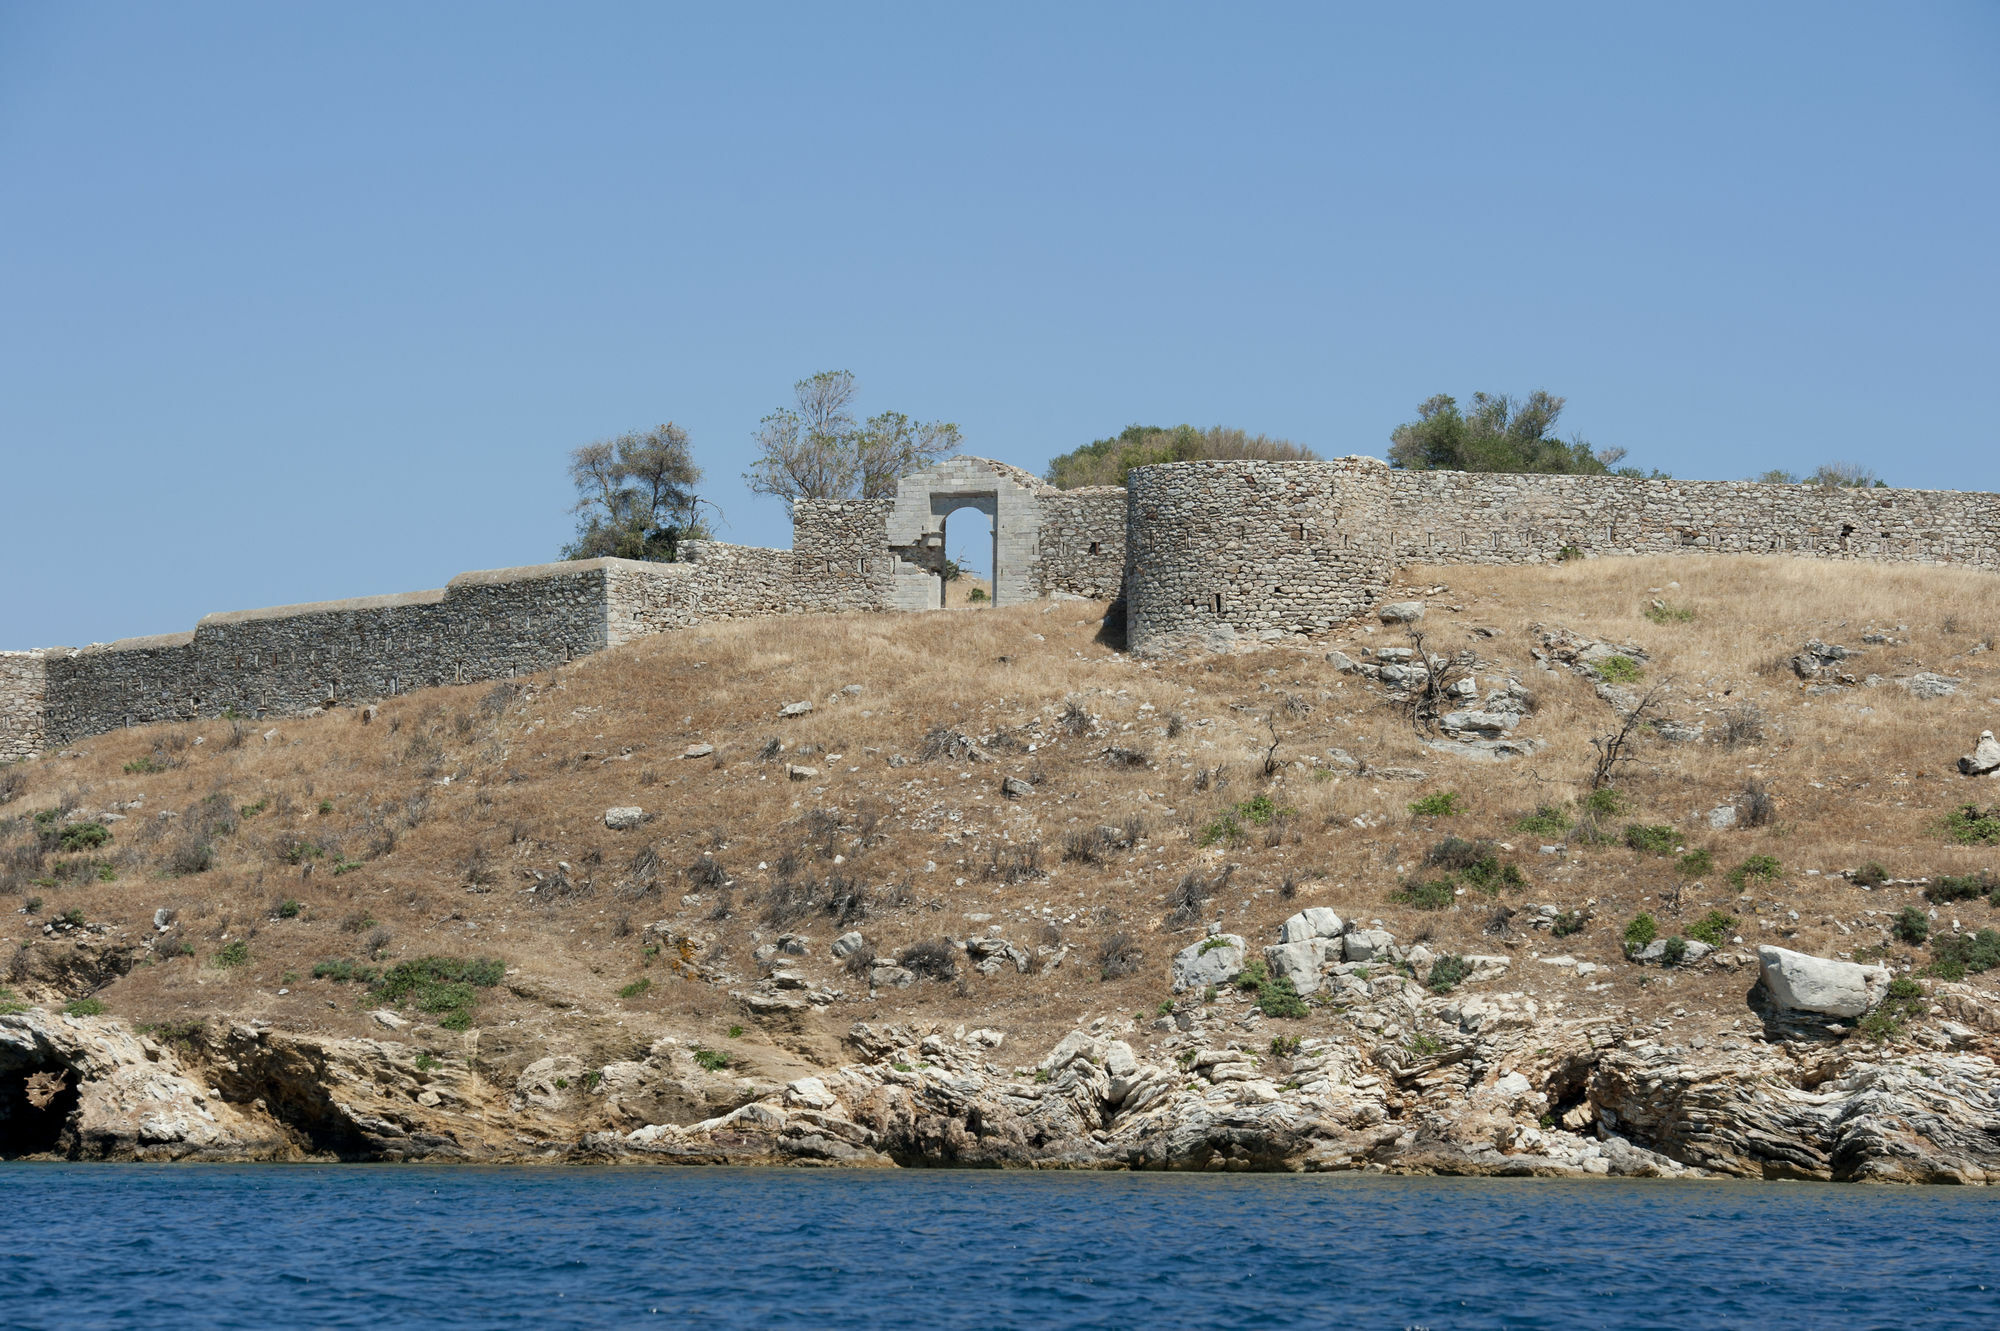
pixel 1546 821
pixel 1651 839
pixel 714 1060
pixel 1910 926
pixel 233 954
pixel 1439 804
pixel 1434 894
pixel 1969 827
pixel 637 989
pixel 1620 670
pixel 85 1007
pixel 1955 956
pixel 1641 930
pixel 1757 868
pixel 1447 972
pixel 1712 928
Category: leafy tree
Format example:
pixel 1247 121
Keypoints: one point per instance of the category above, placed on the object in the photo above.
pixel 1829 475
pixel 1109 461
pixel 815 448
pixel 1499 433
pixel 636 496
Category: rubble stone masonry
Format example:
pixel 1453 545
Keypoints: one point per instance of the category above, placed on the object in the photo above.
pixel 1201 552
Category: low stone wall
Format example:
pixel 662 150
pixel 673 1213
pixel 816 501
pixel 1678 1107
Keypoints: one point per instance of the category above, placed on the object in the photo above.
pixel 1444 517
pixel 23 704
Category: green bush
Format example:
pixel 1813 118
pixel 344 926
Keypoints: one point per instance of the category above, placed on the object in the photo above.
pixel 1764 868
pixel 1675 952
pixel 1258 811
pixel 735 1032
pixel 715 1061
pixel 1910 926
pixel 1569 923
pixel 1958 955
pixel 1209 945
pixel 340 970
pixel 1651 839
pixel 1904 1001
pixel 1969 827
pixel 1437 894
pixel 1619 670
pixel 1662 613
pixel 1871 874
pixel 1438 804
pixel 72 917
pixel 1712 928
pixel 446 987
pixel 288 909
pixel 1547 820
pixel 84 836
pixel 1489 875
pixel 976 595
pixel 1605 802
pixel 1698 862
pixel 32 905
pixel 1963 887
pixel 10 1005
pixel 1277 998
pixel 1252 976
pixel 85 1007
pixel 1446 973
pixel 143 766
pixel 1642 930
pixel 233 954
pixel 1284 1046
pixel 637 988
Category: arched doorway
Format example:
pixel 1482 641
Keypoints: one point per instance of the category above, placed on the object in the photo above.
pixel 971 544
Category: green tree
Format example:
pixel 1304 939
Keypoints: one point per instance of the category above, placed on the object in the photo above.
pixel 1829 476
pixel 816 449
pixel 1498 433
pixel 636 496
pixel 1109 461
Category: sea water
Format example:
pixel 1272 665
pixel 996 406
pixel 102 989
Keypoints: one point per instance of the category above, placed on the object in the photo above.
pixel 391 1246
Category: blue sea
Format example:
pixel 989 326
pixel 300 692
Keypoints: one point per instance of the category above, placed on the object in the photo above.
pixel 388 1246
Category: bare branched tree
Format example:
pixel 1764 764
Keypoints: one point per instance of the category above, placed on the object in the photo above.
pixel 815 448
pixel 1433 697
pixel 1614 749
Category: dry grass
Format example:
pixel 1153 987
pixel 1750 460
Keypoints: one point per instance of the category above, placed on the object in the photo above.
pixel 449 803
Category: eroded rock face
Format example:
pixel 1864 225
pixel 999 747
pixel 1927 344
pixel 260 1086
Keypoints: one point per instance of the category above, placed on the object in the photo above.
pixel 1802 983
pixel 1984 758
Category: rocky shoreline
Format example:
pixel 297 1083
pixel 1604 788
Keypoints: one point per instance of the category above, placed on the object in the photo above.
pixel 1480 1081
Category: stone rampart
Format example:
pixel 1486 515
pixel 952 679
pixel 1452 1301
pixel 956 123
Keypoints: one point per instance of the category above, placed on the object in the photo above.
pixel 1083 542
pixel 23 704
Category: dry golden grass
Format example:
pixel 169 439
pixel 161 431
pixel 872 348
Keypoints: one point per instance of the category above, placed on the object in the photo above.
pixel 449 801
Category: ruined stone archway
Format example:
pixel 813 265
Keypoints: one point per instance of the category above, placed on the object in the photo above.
pixel 1006 495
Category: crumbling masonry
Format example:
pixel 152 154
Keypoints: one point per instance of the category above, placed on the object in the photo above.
pixel 1199 552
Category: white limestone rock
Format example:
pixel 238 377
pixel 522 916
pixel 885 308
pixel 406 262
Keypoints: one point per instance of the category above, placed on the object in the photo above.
pixel 1805 983
pixel 1312 922
pixel 624 818
pixel 1215 960
pixel 1401 612
pixel 1984 758
pixel 1368 944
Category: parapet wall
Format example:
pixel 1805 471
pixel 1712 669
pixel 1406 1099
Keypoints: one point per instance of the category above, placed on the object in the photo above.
pixel 1220 549
pixel 23 704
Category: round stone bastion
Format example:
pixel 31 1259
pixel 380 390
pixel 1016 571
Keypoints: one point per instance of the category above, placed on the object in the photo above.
pixel 1219 550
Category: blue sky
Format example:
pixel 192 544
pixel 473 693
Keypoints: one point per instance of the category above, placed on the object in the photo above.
pixel 305 302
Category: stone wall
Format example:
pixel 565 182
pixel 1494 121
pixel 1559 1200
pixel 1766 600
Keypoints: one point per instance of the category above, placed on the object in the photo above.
pixel 1215 550
pixel 1442 517
pixel 23 704
pixel 1083 542
pixel 1219 549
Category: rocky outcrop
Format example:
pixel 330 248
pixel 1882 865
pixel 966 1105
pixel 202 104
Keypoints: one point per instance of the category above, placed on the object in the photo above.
pixel 1984 759
pixel 1801 983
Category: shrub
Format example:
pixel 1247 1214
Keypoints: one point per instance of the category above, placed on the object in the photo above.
pixel 84 1007
pixel 976 595
pixel 712 1060
pixel 1765 868
pixel 84 836
pixel 288 909
pixel 1569 923
pixel 1258 811
pixel 1650 839
pixel 637 988
pixel 1871 874
pixel 1698 862
pixel 1569 553
pixel 1963 887
pixel 190 856
pixel 233 954
pixel 1118 956
pixel 446 987
pixel 1547 820
pixel 1437 894
pixel 1675 952
pixel 1712 928
pixel 1904 1001
pixel 937 959
pixel 1969 827
pixel 1958 955
pixel 1284 1046
pixel 1910 926
pixel 1447 972
pixel 1642 930
pixel 1277 998
pixel 9 1004
pixel 1439 804
pixel 1662 613
pixel 340 970
pixel 32 905
pixel 1619 670
pixel 72 917
pixel 144 766
pixel 1489 875
pixel 1605 802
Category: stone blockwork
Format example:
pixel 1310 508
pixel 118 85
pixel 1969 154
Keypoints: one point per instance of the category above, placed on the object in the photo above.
pixel 1221 549
pixel 1203 554
pixel 1215 550
pixel 23 704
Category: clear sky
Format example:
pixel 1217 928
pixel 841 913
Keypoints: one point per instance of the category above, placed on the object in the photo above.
pixel 301 302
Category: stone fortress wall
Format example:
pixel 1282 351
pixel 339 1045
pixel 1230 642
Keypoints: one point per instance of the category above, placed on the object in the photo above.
pixel 1201 553
pixel 1220 550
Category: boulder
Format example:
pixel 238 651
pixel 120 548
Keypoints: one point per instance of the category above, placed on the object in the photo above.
pixel 1215 960
pixel 698 751
pixel 848 944
pixel 1928 684
pixel 1490 724
pixel 1984 758
pixel 1805 983
pixel 795 709
pixel 1368 944
pixel 1312 922
pixel 1722 817
pixel 798 773
pixel 1300 962
pixel 624 818
pixel 1013 787
pixel 1401 612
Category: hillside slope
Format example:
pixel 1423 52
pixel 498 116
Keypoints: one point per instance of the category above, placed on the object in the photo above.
pixel 1046 821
